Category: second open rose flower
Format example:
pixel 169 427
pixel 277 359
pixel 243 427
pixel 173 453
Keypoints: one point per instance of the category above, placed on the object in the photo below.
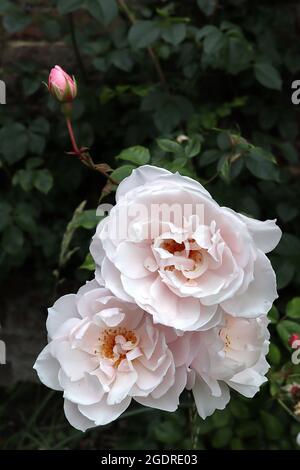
pixel 103 352
pixel 170 248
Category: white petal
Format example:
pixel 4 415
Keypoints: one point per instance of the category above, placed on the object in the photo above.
pixel 86 391
pixel 206 403
pixel 131 259
pixel 102 413
pixel 63 309
pixel 121 387
pixel 73 361
pixel 260 295
pixel 151 174
pixel 139 177
pixel 75 418
pixel 112 278
pixel 266 234
pixel 47 368
pixel 170 400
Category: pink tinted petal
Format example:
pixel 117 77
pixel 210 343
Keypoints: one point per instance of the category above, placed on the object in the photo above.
pixel 85 391
pixel 266 234
pixel 63 309
pixel 260 295
pixel 121 387
pixel 112 278
pixel 47 368
pixel 73 361
pixel 75 418
pixel 102 413
pixel 206 403
pixel 131 260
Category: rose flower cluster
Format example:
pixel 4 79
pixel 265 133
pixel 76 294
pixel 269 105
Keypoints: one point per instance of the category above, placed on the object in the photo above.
pixel 179 301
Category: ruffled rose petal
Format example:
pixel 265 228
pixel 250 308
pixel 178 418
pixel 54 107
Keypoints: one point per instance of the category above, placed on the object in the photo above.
pixel 206 403
pixel 75 418
pixel 47 368
pixel 260 295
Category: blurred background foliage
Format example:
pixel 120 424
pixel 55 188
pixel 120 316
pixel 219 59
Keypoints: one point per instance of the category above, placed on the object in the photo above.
pixel 200 86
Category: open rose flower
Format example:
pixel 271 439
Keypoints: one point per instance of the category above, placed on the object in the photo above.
pixel 182 255
pixel 103 352
pixel 231 355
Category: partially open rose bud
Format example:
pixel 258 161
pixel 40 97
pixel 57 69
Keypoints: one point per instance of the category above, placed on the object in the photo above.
pixel 294 337
pixel 61 85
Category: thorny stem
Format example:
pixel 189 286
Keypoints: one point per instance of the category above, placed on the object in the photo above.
pixel 151 52
pixel 85 157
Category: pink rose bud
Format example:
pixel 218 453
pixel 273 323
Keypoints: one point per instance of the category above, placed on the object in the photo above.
pixel 294 337
pixel 61 85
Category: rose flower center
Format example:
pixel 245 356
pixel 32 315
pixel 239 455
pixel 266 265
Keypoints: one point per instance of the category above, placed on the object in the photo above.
pixel 116 342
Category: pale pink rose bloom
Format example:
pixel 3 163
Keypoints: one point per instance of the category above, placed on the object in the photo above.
pixel 61 85
pixel 103 352
pixel 185 268
pixel 231 355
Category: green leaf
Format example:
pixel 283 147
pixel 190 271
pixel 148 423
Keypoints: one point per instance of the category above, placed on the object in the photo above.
pixel 272 426
pixel 239 409
pixel 286 211
pixel 68 6
pixel 122 172
pixel 143 34
pixel 88 264
pixel 274 355
pixel 5 214
pixel 213 42
pixel 104 11
pixel 43 180
pixel 224 141
pixel 293 308
pixel 223 168
pixel 289 151
pixel 209 156
pixel 285 329
pixel 40 125
pixel 285 273
pixel 273 315
pixel 24 178
pixel 12 240
pixel 267 75
pixel 30 86
pixel 260 165
pixel 174 33
pixel 13 142
pixel 221 437
pixel 33 163
pixel 193 147
pixel 289 245
pixel 37 143
pixel 122 59
pixel 88 219
pixel 169 146
pixel 16 22
pixel 208 7
pixel 138 155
